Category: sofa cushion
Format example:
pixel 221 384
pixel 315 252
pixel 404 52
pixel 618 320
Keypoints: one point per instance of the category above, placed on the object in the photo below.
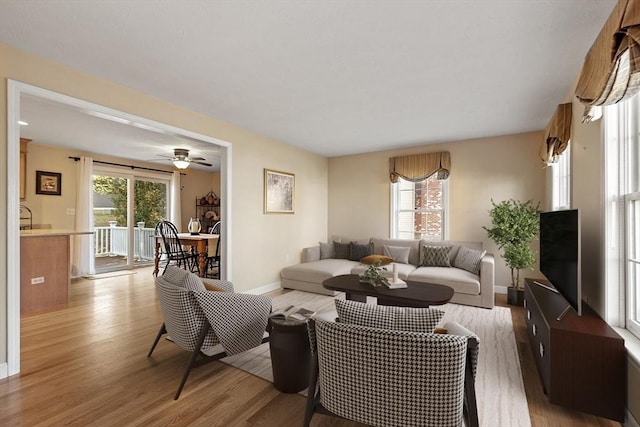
pixel 318 271
pixel 462 281
pixel 436 256
pixel 341 250
pixel 455 245
pixel 388 317
pixel 357 251
pixel 327 250
pixel 398 253
pixel 469 259
pixel 414 245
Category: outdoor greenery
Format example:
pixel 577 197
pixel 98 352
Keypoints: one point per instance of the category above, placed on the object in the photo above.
pixel 150 199
pixel 514 224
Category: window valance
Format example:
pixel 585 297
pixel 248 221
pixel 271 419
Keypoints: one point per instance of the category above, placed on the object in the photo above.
pixel 557 134
pixel 611 71
pixel 418 167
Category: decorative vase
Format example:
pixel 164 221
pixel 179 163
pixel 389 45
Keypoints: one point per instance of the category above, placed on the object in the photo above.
pixel 194 226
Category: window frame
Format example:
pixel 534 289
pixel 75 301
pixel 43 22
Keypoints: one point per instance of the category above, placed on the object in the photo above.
pixel 394 211
pixel 561 179
pixel 621 188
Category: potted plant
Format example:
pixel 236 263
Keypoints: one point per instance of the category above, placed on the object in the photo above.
pixel 514 224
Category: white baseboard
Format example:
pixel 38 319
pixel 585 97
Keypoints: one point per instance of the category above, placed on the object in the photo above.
pixel 500 289
pixel 4 370
pixel 630 421
pixel 264 289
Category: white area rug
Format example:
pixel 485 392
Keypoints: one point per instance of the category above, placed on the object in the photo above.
pixel 499 388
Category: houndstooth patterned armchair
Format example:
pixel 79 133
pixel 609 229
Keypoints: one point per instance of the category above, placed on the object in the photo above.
pixel 389 376
pixel 197 319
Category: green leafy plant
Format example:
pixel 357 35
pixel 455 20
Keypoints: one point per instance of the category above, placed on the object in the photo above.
pixel 514 224
pixel 373 275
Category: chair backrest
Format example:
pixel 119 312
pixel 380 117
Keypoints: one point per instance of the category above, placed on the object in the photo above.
pixel 183 316
pixel 216 228
pixel 388 377
pixel 170 239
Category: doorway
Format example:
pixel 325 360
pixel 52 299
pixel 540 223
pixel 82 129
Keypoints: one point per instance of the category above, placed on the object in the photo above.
pixel 15 91
pixel 126 208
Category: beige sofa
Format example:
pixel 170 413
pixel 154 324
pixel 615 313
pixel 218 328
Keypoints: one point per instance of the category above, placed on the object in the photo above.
pixel 469 288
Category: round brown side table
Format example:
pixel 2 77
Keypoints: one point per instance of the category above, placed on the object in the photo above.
pixel 290 355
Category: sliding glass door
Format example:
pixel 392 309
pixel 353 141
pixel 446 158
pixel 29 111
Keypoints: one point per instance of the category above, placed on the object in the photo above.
pixel 126 208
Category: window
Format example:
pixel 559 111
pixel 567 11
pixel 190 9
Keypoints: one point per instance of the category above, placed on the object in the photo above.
pixel 419 209
pixel 622 212
pixel 561 181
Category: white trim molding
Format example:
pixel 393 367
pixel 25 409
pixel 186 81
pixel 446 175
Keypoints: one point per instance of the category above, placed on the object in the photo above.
pixel 14 90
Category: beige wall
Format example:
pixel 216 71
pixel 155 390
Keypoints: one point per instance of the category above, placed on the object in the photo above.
pixel 52 210
pixel 482 169
pixel 262 244
pixel 195 184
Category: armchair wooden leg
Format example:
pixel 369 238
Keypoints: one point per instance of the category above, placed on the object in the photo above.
pixel 311 391
pixel 470 407
pixel 161 332
pixel 192 359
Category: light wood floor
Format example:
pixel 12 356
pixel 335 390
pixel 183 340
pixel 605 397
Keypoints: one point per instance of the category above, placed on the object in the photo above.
pixel 87 365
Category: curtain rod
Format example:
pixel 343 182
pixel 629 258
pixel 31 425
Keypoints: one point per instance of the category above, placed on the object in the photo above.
pixel 75 159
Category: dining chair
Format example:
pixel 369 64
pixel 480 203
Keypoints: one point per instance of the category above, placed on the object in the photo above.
pixel 212 265
pixel 173 249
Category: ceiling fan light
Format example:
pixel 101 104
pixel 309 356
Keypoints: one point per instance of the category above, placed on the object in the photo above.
pixel 181 164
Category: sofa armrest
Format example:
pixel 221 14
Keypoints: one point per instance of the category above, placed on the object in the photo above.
pixel 487 280
pixel 311 254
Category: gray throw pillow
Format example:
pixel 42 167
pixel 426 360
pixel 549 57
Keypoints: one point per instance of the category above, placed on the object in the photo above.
pixel 398 253
pixel 341 250
pixel 357 251
pixel 327 250
pixel 388 317
pixel 436 256
pixel 469 259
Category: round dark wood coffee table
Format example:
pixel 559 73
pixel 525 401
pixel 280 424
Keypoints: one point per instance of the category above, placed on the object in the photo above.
pixel 416 294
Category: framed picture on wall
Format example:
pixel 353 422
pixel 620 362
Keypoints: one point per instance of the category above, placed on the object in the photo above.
pixel 48 183
pixel 279 192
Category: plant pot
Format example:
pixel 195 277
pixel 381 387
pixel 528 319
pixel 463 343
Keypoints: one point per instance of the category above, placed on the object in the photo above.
pixel 515 296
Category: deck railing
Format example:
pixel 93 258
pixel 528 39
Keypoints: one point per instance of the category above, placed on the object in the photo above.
pixel 110 241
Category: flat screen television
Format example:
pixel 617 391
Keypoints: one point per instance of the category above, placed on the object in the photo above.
pixel 560 254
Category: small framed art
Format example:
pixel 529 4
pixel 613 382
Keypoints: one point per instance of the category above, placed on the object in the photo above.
pixel 279 192
pixel 48 183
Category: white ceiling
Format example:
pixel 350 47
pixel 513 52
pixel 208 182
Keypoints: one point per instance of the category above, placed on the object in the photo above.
pixel 332 77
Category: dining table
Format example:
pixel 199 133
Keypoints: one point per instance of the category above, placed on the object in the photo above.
pixel 200 242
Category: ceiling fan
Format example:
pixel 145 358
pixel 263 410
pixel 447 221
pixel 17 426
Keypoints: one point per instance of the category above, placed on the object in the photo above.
pixel 181 159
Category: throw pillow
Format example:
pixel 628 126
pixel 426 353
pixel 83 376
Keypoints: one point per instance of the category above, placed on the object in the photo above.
pixel 327 250
pixel 175 275
pixel 341 250
pixel 193 282
pixel 210 287
pixel 398 253
pixel 357 251
pixel 409 319
pixel 469 259
pixel 436 256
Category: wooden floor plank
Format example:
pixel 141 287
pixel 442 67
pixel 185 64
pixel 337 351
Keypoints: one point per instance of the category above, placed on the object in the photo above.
pixel 87 365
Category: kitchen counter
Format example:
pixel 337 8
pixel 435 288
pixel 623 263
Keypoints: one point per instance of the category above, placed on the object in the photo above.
pixel 45 269
pixel 51 232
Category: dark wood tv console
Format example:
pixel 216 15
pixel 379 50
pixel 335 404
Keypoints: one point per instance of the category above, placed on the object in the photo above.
pixel 582 361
